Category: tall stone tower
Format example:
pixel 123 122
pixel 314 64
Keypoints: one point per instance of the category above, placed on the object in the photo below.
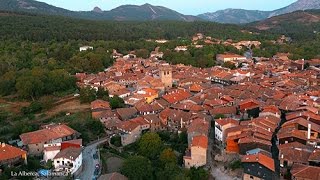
pixel 166 75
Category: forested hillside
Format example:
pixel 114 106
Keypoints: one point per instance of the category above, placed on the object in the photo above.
pixel 33 27
pixel 38 54
pixel 299 25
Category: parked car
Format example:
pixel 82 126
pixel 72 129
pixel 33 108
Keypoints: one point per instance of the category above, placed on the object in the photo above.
pixel 95 156
pixel 97 165
pixel 96 172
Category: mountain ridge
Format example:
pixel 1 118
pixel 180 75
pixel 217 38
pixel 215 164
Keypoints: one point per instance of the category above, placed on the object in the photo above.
pixel 242 16
pixel 144 12
pixel 148 12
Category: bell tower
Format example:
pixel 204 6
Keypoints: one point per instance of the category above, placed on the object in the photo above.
pixel 166 75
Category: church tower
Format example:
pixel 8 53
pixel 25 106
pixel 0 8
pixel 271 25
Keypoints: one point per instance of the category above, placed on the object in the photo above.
pixel 166 75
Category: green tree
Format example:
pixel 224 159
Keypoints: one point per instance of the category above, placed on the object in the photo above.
pixel 142 53
pixel 137 168
pixel 96 126
pixel 167 156
pixel 229 65
pixel 116 140
pixel 87 95
pixel 7 83
pixel 218 116
pixel 170 171
pixel 102 94
pixel 150 145
pixel 197 174
pixel 116 102
pixel 29 87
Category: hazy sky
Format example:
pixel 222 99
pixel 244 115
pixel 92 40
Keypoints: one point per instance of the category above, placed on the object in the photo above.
pixel 191 7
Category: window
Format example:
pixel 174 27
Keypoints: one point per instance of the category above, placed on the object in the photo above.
pixel 58 162
pixel 251 177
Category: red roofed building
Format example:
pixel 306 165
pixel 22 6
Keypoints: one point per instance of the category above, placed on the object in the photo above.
pixel 249 107
pixel 304 172
pixel 221 125
pixel 132 129
pixel 271 110
pixel 196 156
pixel 10 155
pixel 230 57
pixel 176 95
pixel 50 134
pixel 99 107
pixel 248 104
pixel 258 166
pixel 198 127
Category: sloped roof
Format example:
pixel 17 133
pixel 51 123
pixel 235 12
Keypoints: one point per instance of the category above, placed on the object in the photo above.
pixel 305 172
pixel 69 153
pixel 260 158
pixel 10 152
pixel 47 134
pixel 200 141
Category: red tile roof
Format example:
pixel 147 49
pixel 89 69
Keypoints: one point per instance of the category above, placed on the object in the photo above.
pixel 248 104
pixel 225 121
pixel 69 153
pixel 223 110
pixel 305 172
pixel 47 134
pixel 176 95
pixel 100 105
pixel 132 124
pixel 199 125
pixel 9 152
pixel 315 156
pixel 260 158
pixel 200 141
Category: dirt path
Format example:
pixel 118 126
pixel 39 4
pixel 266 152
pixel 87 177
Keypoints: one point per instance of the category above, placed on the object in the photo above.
pixel 70 106
pixel 13 107
pixel 219 174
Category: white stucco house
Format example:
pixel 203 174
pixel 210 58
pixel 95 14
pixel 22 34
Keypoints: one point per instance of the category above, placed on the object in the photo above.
pixel 220 125
pixel 85 48
pixel 68 160
pixel 50 151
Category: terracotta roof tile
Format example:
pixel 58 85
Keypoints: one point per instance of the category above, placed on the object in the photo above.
pixel 305 172
pixel 200 141
pixel 260 158
pixel 47 134
pixel 9 152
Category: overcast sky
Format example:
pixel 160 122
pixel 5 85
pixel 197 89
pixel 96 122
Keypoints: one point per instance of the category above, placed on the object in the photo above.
pixel 191 7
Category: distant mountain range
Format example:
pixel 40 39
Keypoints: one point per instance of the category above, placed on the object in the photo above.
pixel 294 20
pixel 238 16
pixel 122 13
pixel 148 12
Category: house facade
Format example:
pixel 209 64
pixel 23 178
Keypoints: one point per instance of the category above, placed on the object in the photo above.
pixel 68 160
pixel 196 156
pixel 35 141
pixel 10 156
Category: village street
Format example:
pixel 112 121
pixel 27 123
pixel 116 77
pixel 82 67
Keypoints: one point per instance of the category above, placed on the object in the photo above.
pixel 88 162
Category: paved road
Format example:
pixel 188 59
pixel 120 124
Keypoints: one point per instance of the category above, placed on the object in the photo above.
pixel 88 162
pixel 216 171
pixel 218 174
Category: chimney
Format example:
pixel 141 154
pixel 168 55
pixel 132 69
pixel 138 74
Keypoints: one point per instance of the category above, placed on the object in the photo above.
pixel 309 131
pixel 3 145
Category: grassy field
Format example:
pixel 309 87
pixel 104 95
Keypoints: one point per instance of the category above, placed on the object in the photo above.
pixel 13 122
